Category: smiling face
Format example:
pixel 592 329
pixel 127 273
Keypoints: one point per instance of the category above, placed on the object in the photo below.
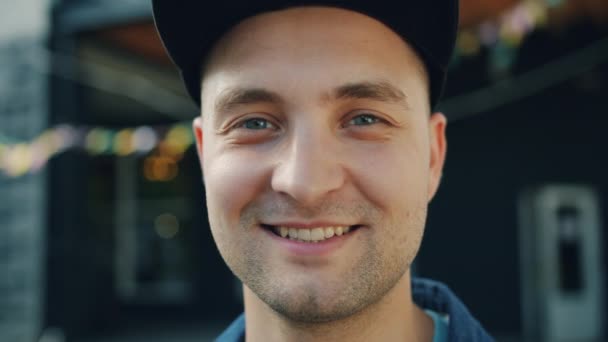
pixel 310 129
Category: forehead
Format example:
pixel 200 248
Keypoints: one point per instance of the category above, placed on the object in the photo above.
pixel 319 45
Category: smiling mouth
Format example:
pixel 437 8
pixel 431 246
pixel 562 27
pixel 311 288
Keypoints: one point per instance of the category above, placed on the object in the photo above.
pixel 312 235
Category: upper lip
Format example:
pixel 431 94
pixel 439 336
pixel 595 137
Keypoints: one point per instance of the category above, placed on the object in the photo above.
pixel 306 225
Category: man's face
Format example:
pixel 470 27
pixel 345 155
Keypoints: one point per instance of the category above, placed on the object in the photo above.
pixel 317 118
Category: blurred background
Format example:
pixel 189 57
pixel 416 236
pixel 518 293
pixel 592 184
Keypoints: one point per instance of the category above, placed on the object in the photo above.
pixel 103 230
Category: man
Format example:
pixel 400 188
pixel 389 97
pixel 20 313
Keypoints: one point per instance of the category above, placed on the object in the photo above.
pixel 320 153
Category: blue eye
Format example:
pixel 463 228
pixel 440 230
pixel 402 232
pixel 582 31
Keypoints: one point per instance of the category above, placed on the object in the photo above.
pixel 257 124
pixel 363 120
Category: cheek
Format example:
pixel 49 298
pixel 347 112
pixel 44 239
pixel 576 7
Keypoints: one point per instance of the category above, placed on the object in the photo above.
pixel 393 178
pixel 395 181
pixel 232 180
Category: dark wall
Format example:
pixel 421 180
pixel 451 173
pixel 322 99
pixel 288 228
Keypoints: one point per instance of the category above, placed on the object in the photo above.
pixel 557 136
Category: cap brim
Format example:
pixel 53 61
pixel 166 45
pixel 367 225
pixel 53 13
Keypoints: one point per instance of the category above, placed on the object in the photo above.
pixel 189 29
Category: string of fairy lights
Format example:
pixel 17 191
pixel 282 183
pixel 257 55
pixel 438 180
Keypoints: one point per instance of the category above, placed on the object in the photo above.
pixel 503 36
pixel 163 147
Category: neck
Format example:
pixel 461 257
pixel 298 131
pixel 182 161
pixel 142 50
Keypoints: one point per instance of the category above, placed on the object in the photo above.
pixel 395 317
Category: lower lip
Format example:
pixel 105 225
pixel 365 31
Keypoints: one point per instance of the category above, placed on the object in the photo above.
pixel 320 248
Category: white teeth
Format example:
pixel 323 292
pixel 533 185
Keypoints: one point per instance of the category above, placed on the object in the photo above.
pixel 293 233
pixel 284 231
pixel 311 235
pixel 317 234
pixel 304 234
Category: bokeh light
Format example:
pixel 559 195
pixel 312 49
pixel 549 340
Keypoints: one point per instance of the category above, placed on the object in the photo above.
pixel 123 142
pixel 144 139
pixel 166 225
pixel 160 168
pixel 98 141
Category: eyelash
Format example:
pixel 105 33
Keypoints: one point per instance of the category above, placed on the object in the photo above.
pixel 369 116
pixel 259 119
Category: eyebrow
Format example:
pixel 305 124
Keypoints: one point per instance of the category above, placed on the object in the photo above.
pixel 379 91
pixel 233 97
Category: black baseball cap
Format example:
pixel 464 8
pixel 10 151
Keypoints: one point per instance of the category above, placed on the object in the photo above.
pixel 190 28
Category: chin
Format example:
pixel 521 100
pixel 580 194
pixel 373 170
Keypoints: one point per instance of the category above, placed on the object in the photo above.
pixel 313 311
pixel 312 303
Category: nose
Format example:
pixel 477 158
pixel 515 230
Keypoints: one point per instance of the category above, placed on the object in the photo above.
pixel 309 169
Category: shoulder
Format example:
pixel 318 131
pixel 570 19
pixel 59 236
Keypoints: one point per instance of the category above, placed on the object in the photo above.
pixel 436 296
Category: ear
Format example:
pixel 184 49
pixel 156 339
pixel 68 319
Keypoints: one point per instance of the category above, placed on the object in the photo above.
pixel 438 146
pixel 197 127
